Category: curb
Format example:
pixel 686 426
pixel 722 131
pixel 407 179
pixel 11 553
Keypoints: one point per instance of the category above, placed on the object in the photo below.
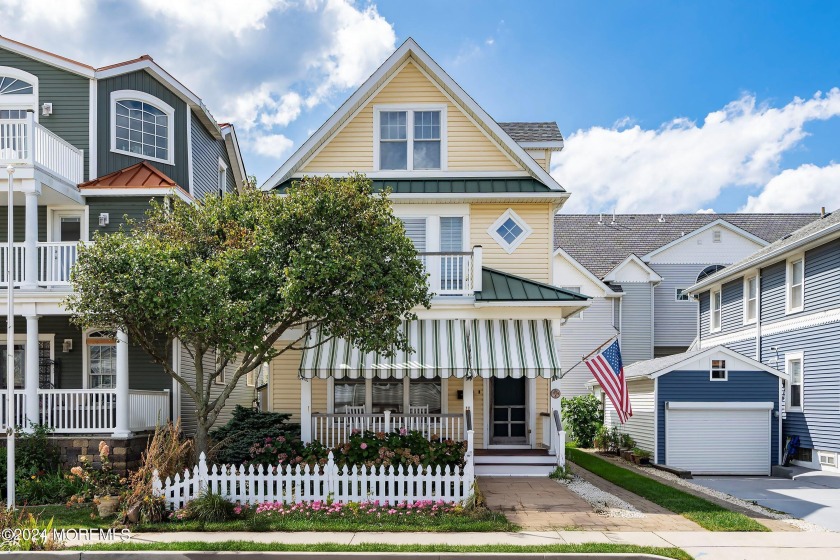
pixel 126 555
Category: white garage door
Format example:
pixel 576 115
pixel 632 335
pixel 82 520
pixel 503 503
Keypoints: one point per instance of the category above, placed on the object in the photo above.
pixel 718 438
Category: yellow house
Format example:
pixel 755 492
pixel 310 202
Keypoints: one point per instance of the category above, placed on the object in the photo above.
pixel 477 200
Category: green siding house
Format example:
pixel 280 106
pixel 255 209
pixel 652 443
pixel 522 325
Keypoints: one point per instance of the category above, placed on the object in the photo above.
pixel 90 147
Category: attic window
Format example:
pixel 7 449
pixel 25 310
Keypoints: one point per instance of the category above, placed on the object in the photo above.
pixel 716 236
pixel 509 231
pixel 718 371
pixel 141 126
pixel 14 86
pixel 409 140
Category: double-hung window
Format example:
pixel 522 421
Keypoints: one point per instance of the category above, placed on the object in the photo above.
pixel 398 396
pixel 794 368
pixel 681 295
pixel 410 139
pixel 714 322
pixel 750 299
pixel 795 285
pixel 102 361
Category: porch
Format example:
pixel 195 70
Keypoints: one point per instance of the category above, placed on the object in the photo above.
pixel 51 269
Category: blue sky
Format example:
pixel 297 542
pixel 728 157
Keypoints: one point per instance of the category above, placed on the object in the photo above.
pixel 665 105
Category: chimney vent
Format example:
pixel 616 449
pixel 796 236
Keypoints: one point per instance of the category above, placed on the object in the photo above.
pixel 822 212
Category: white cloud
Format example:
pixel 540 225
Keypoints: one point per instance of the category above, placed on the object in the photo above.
pixel 284 111
pixel 270 145
pixel 682 165
pixel 706 211
pixel 44 12
pixel 804 189
pixel 214 16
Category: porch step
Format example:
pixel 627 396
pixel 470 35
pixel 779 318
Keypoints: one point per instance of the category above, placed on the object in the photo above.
pixel 526 464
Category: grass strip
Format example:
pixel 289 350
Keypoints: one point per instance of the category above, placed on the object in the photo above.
pixel 708 515
pixel 249 546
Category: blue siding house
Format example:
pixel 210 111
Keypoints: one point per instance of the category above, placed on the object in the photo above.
pixel 787 297
pixel 711 411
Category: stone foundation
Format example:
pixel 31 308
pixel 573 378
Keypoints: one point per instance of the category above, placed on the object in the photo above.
pixel 125 453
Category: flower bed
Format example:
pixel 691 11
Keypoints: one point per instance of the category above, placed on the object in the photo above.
pixel 360 510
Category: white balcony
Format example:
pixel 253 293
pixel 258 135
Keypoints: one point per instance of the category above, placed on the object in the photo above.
pixel 55 260
pixel 90 411
pixel 27 142
pixel 453 273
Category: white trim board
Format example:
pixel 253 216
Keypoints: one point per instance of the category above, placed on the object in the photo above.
pixel 717 223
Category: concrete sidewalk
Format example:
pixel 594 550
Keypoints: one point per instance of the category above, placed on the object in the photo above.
pixel 700 544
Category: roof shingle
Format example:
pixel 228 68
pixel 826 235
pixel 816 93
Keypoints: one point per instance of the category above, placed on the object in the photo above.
pixel 532 131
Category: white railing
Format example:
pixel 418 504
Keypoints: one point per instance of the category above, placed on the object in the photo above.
pixel 90 411
pixel 147 409
pixel 55 260
pixel 42 148
pixel 335 429
pixel 560 444
pixel 453 273
pixel 305 483
pixel 19 256
pixel 59 156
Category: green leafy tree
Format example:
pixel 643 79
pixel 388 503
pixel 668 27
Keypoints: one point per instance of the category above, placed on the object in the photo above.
pixel 582 416
pixel 230 276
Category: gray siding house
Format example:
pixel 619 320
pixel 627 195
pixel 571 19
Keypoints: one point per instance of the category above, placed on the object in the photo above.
pixel 91 147
pixel 642 264
pixel 781 306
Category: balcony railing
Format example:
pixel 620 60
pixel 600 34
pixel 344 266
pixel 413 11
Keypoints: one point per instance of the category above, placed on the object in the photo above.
pixel 90 411
pixel 453 273
pixel 55 260
pixel 25 141
pixel 335 429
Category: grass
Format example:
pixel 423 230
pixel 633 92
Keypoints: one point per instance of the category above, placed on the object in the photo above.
pixel 249 546
pixel 708 515
pixel 70 517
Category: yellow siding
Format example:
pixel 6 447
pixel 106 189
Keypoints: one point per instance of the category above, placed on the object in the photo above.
pixel 456 406
pixel 351 149
pixel 543 388
pixel 532 259
pixel 285 385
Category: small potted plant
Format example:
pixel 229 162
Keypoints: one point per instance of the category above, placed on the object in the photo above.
pixel 640 456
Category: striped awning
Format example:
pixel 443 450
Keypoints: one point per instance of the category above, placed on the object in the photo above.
pixel 439 349
pixel 513 348
pixel 442 348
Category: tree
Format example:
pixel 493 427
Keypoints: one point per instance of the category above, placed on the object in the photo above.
pixel 232 275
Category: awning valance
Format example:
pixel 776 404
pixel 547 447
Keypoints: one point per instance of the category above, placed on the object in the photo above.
pixel 442 348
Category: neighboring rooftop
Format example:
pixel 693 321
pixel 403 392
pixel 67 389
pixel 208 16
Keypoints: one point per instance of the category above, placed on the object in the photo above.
pixel 501 286
pixel 600 247
pixel 532 131
pixel 813 229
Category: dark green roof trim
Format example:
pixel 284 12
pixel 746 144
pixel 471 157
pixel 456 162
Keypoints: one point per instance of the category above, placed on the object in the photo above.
pixel 501 286
pixel 452 186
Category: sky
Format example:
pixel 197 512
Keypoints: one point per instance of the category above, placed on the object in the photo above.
pixel 665 106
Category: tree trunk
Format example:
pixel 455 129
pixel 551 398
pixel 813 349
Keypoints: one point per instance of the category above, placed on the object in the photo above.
pixel 201 438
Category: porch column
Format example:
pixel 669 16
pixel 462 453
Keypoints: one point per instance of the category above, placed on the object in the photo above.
pixel 122 428
pixel 30 267
pixel 306 410
pixel 31 379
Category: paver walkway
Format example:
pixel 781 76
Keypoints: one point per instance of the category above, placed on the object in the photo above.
pixel 536 503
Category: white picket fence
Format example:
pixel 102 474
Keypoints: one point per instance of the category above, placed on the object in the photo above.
pixel 305 483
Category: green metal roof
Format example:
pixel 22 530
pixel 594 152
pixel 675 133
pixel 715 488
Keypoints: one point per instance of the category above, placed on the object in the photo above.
pixel 452 186
pixel 501 286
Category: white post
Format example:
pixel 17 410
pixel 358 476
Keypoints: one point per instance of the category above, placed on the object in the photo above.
pixel 10 348
pixel 387 427
pixel 30 246
pixel 122 428
pixel 33 367
pixel 306 410
pixel 468 398
pixel 478 256
pixel 555 406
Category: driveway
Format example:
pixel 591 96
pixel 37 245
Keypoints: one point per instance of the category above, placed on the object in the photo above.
pixel 812 495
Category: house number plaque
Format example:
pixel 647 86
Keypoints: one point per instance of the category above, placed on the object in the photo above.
pixel 555 393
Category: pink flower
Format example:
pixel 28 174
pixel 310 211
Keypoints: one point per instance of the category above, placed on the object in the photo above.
pixel 363 446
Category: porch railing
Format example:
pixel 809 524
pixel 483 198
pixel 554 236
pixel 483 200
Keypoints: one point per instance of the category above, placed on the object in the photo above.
pixel 90 411
pixel 55 261
pixel 335 429
pixel 41 148
pixel 453 273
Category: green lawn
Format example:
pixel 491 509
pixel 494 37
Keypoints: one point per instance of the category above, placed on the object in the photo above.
pixel 248 546
pixel 706 514
pixel 72 517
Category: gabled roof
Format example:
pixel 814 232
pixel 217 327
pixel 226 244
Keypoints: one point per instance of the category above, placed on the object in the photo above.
pixel 721 223
pixel 534 134
pixel 409 50
pixel 499 286
pixel 609 290
pixel 660 366
pixel 140 178
pixel 600 247
pixel 614 274
pixel 820 229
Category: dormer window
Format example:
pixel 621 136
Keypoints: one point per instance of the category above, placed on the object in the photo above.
pixel 410 139
pixel 141 126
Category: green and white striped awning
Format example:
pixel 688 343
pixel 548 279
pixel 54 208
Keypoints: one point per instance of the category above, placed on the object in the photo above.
pixel 442 348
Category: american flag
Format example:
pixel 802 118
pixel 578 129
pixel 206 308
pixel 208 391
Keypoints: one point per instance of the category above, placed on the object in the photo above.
pixel 608 370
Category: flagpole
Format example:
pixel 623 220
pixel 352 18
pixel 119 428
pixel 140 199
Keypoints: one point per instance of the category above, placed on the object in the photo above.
pixel 583 359
pixel 10 349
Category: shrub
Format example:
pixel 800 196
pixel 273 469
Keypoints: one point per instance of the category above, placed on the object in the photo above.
pixel 51 488
pixel 560 473
pixel 33 535
pixel 627 442
pixel 209 508
pixel 102 481
pixel 641 453
pixel 248 427
pixel 602 438
pixel 582 417
pixel 34 453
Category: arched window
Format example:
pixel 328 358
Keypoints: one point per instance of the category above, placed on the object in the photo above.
pixel 709 270
pixel 142 126
pixel 15 86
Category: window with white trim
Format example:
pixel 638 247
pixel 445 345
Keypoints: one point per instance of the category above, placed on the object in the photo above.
pixel 221 178
pixel 410 139
pixel 718 371
pixel 681 295
pixel 794 364
pixel 102 360
pixel 142 126
pixel 795 285
pixel 714 319
pixel 395 395
pixel 716 236
pixel 509 231
pixel 15 86
pixel 750 299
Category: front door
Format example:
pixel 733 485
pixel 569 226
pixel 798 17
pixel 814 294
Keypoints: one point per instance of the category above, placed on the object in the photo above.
pixel 67 232
pixel 509 417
